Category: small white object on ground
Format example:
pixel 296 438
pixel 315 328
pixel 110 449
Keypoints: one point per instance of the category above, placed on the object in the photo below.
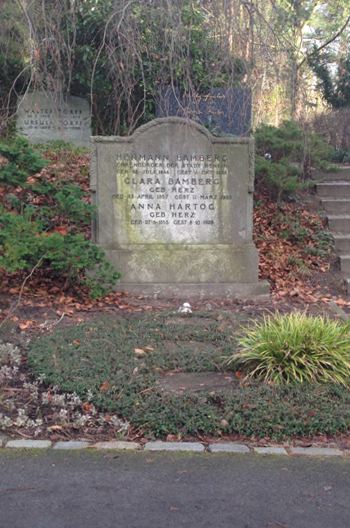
pixel 185 308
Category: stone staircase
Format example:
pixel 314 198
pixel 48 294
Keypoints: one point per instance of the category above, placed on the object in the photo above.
pixel 333 190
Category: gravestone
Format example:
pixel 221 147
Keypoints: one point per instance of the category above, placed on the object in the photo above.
pixel 41 118
pixel 222 110
pixel 174 210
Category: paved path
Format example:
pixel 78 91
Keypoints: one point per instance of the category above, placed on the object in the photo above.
pixel 80 489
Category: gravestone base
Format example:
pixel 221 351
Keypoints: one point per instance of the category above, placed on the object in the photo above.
pixel 200 271
pixel 258 291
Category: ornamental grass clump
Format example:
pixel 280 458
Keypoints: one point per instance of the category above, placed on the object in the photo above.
pixel 293 348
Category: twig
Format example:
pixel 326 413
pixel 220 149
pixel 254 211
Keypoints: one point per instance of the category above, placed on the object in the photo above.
pixel 19 298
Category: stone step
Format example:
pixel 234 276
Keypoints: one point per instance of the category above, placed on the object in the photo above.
pixel 342 244
pixel 345 264
pixel 333 190
pixel 336 206
pixel 343 173
pixel 339 223
pixel 339 189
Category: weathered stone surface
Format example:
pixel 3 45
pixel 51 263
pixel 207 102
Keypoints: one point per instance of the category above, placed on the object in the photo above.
pixel 72 444
pixel 228 447
pixel 316 451
pixel 175 210
pixel 189 382
pixel 42 118
pixel 270 450
pixel 117 444
pixel 3 440
pixel 222 110
pixel 29 444
pixel 174 446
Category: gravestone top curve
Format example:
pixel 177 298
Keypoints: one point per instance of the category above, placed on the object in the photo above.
pixel 171 120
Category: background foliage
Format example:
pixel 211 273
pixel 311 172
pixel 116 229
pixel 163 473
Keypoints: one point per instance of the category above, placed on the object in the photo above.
pixel 119 54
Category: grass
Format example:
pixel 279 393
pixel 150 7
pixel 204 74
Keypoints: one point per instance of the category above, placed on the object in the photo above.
pixel 98 359
pixel 296 347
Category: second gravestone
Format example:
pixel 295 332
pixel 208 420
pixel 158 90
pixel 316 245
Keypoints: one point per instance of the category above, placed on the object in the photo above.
pixel 223 110
pixel 41 118
pixel 175 210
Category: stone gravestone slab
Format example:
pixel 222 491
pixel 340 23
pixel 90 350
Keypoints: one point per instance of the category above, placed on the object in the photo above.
pixel 41 118
pixel 223 110
pixel 174 210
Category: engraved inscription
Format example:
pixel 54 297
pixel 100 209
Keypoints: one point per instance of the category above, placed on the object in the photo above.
pixel 46 118
pixel 41 118
pixel 186 191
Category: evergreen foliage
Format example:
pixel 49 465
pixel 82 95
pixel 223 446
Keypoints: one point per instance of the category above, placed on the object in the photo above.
pixel 284 157
pixel 22 162
pixel 29 235
pixel 335 88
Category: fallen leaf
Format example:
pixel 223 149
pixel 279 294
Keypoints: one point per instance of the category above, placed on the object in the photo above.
pixel 139 352
pixel 62 230
pixel 25 325
pixel 171 438
pixel 55 428
pixel 105 386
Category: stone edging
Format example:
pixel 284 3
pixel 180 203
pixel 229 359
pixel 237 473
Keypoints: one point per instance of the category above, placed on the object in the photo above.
pixel 192 447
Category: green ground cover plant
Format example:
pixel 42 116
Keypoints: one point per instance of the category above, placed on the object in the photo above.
pixel 22 161
pixel 43 224
pixel 98 361
pixel 295 347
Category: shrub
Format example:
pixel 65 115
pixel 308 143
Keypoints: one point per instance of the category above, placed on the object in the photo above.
pixel 284 142
pixel 279 178
pixel 295 348
pixel 284 156
pixel 24 244
pixel 341 156
pixel 22 161
pixel 41 223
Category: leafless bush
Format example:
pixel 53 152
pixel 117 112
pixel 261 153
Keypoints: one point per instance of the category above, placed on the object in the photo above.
pixel 334 126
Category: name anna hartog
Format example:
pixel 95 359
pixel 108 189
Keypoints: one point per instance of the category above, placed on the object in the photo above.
pixel 175 210
pixel 172 207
